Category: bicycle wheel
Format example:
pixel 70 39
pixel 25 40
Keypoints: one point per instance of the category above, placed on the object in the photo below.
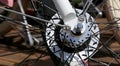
pixel 80 49
pixel 71 49
pixel 61 41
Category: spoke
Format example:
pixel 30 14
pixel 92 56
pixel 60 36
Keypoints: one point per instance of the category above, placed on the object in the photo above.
pixel 81 59
pixel 87 5
pixel 57 51
pixel 41 3
pixel 69 59
pixel 33 17
pixel 99 62
pixel 108 49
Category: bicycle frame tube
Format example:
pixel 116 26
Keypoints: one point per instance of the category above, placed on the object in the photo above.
pixel 67 12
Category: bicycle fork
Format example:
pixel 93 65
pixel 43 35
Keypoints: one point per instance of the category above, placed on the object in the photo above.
pixel 68 13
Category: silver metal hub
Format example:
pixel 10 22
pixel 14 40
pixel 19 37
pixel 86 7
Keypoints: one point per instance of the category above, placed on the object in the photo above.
pixel 77 40
pixel 90 31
